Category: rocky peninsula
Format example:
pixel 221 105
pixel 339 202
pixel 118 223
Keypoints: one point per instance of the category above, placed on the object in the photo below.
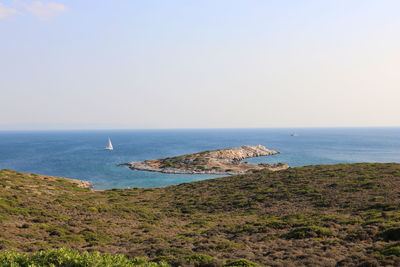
pixel 221 161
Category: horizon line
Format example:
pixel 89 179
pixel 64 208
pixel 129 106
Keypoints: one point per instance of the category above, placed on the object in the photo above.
pixel 188 128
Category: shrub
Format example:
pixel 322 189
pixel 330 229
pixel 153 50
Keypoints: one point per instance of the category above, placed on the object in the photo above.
pixel 95 238
pixel 276 224
pixel 391 234
pixel 307 232
pixel 201 260
pixel 94 209
pixel 228 246
pixel 14 259
pixel 389 250
pixel 242 263
pixel 381 206
pixel 69 257
pixel 171 260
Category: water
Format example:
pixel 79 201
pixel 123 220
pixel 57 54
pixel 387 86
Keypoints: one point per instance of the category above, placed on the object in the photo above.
pixel 80 154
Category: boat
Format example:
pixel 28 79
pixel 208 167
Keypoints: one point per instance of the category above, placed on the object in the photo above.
pixel 294 134
pixel 110 146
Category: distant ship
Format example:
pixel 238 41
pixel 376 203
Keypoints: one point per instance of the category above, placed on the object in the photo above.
pixel 110 146
pixel 294 134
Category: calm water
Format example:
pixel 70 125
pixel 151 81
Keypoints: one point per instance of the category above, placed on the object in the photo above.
pixel 80 154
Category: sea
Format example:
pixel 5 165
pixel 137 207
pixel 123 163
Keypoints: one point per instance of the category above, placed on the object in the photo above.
pixel 81 155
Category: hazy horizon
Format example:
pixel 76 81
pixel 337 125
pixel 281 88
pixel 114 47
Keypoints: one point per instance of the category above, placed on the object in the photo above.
pixel 40 128
pixel 199 64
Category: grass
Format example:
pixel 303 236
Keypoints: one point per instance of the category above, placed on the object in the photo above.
pixel 346 214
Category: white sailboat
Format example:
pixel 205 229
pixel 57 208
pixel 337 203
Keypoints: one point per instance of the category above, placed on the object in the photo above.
pixel 110 146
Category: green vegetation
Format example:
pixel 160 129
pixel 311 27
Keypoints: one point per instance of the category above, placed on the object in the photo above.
pixel 242 263
pixel 345 214
pixel 72 258
pixel 391 250
pixel 187 162
pixel 201 260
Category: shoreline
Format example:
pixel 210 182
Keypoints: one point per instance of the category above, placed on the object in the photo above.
pixel 139 166
pixel 80 183
pixel 217 162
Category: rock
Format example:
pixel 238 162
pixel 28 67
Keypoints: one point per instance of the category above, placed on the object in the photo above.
pixel 222 161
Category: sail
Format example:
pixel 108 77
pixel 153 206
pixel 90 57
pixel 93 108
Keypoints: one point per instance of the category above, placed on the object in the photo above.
pixel 110 146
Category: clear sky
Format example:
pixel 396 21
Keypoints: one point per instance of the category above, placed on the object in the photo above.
pixel 199 64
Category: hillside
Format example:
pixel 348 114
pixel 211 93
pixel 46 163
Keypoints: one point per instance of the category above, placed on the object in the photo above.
pixel 220 161
pixel 334 215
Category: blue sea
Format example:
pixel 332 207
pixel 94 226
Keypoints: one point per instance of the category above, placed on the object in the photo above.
pixel 80 154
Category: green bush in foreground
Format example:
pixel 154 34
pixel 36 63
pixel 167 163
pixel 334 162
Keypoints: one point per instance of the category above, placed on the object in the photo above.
pixel 71 258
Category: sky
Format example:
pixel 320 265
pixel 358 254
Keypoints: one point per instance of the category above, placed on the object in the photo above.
pixel 130 64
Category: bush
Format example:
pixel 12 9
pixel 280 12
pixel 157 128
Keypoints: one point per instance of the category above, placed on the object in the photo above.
pixel 71 258
pixel 307 232
pixel 242 263
pixel 389 250
pixel 201 260
pixel 276 224
pixel 391 234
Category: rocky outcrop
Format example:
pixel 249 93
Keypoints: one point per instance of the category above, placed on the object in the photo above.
pixel 80 183
pixel 222 161
pixel 243 152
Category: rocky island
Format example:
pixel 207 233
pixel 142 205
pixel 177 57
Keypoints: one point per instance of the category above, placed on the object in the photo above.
pixel 221 161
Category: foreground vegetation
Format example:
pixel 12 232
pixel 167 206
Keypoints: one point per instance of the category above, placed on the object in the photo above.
pixel 343 215
pixel 68 257
pixel 72 258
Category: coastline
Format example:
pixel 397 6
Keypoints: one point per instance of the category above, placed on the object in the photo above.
pixel 218 162
pixel 79 183
pixel 81 155
pixel 140 166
